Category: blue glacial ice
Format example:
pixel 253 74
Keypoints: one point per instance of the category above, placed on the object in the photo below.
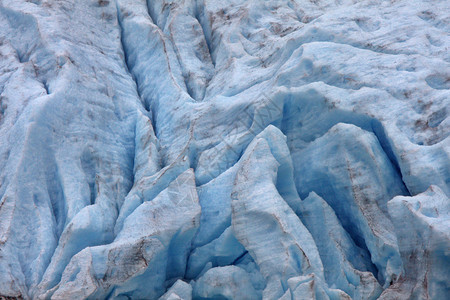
pixel 205 149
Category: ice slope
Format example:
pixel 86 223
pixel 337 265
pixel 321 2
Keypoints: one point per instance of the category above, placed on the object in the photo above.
pixel 232 149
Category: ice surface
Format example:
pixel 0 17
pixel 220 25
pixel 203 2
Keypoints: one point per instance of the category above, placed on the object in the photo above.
pixel 349 169
pixel 228 282
pixel 422 225
pixel 179 290
pixel 224 149
pixel 347 266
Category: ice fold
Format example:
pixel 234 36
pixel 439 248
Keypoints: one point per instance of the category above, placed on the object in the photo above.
pixel 422 226
pixel 153 250
pixel 265 224
pixel 346 266
pixel 348 168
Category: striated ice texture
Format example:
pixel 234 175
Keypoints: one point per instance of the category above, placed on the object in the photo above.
pixel 206 149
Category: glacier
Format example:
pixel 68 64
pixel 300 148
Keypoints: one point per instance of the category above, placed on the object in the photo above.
pixel 206 149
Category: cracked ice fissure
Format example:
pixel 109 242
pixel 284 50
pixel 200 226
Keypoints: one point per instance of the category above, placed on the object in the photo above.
pixel 224 149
